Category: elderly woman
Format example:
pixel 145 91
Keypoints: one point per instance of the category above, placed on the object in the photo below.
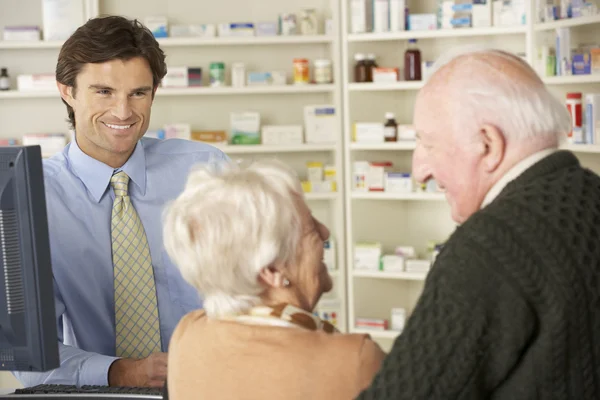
pixel 246 239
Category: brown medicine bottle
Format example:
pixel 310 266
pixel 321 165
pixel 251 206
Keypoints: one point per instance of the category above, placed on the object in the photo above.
pixel 390 128
pixel 360 68
pixel 412 62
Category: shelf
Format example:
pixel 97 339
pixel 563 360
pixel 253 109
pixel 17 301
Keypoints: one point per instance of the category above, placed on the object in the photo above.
pixel 406 276
pixel 582 148
pixel 30 44
pixel 567 23
pixel 321 196
pixel 190 41
pixel 255 149
pixel 274 89
pixel 398 196
pixel 242 41
pixel 193 91
pixel 433 34
pixel 376 87
pixel 400 145
pixel 377 334
pixel 16 94
pixel 571 79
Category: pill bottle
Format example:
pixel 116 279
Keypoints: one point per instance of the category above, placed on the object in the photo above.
pixel 323 71
pixel 217 74
pixel 301 71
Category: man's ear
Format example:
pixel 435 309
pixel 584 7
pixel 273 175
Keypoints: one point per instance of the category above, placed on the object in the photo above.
pixel 66 92
pixel 494 147
pixel 271 276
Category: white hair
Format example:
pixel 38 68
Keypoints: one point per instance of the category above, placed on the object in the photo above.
pixel 228 225
pixel 487 93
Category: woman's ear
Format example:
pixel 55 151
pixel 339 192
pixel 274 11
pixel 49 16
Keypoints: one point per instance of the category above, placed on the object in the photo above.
pixel 272 276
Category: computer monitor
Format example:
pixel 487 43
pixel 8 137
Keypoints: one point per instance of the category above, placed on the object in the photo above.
pixel 28 337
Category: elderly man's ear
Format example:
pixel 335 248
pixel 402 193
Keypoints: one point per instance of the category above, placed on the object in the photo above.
pixel 493 147
pixel 273 277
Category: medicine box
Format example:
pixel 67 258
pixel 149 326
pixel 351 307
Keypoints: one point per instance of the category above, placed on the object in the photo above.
pixel 398 319
pixel 320 124
pixel 376 324
pixel 245 128
pixel 358 19
pixel 176 77
pixel 179 131
pixel 314 171
pixel 193 30
pixel 158 26
pixel 366 132
pixel 385 75
pixel 236 29
pixel 592 118
pixel 582 64
pixel 329 254
pixel 367 256
pixel 376 175
pixel 417 266
pixel 282 135
pixel 288 24
pixel 21 33
pixel 266 29
pixel 213 137
pixel 36 82
pixel 422 22
pixel 397 15
pixel 398 182
pixel 50 143
pixel 392 263
pixel 61 18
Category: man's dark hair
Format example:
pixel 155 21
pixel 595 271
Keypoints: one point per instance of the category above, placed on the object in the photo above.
pixel 104 39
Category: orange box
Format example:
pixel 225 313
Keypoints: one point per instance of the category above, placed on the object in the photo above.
pixel 210 136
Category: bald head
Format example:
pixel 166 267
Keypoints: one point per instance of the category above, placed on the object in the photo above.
pixel 492 86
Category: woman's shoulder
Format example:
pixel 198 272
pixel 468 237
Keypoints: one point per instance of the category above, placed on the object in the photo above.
pixel 191 321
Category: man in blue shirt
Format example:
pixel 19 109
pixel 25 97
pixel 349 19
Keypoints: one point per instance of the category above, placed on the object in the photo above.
pixel 118 297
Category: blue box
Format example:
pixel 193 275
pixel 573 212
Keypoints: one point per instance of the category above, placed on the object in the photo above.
pixel 582 64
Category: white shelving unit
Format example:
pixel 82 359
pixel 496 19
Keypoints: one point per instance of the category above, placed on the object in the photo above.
pixel 415 218
pixel 208 108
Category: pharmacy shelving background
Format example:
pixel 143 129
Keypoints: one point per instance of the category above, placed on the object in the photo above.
pixel 419 219
pixel 394 219
pixel 206 108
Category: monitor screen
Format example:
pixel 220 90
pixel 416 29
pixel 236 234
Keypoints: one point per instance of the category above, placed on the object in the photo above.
pixel 28 337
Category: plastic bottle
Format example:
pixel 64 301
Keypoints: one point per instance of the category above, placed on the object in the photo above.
pixel 4 81
pixel 371 63
pixel 412 62
pixel 360 68
pixel 390 128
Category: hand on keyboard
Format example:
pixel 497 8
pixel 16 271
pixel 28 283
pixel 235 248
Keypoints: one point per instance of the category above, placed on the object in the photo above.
pixel 147 372
pixel 69 389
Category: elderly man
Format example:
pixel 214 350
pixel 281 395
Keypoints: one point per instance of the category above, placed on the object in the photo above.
pixel 510 309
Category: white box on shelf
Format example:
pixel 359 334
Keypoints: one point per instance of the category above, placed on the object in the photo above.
pixel 193 30
pixel 21 33
pixel 179 131
pixel 419 266
pixel 367 256
pixel 320 123
pixel 422 22
pixel 482 14
pixel 158 25
pixel 36 82
pixel 61 18
pixel 176 77
pixel 392 263
pixel 381 16
pixel 407 132
pixel 366 132
pixel 358 19
pixel 236 29
pixel 282 135
pixel 509 12
pixel 50 143
pixel 398 182
pixel 360 169
pixel 397 15
pixel 592 118
pixel 398 319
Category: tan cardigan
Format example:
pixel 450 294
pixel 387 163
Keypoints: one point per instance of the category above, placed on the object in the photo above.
pixel 212 359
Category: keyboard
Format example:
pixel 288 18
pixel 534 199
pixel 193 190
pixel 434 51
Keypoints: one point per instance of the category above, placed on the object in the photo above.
pixel 85 392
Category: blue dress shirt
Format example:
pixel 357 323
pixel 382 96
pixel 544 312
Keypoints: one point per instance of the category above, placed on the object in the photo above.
pixel 79 202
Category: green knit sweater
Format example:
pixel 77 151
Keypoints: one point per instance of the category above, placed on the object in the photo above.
pixel 511 307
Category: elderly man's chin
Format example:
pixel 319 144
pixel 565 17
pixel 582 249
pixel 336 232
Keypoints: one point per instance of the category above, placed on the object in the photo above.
pixel 326 281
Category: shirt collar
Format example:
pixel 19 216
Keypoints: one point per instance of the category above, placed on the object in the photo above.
pixel 96 175
pixel 514 173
